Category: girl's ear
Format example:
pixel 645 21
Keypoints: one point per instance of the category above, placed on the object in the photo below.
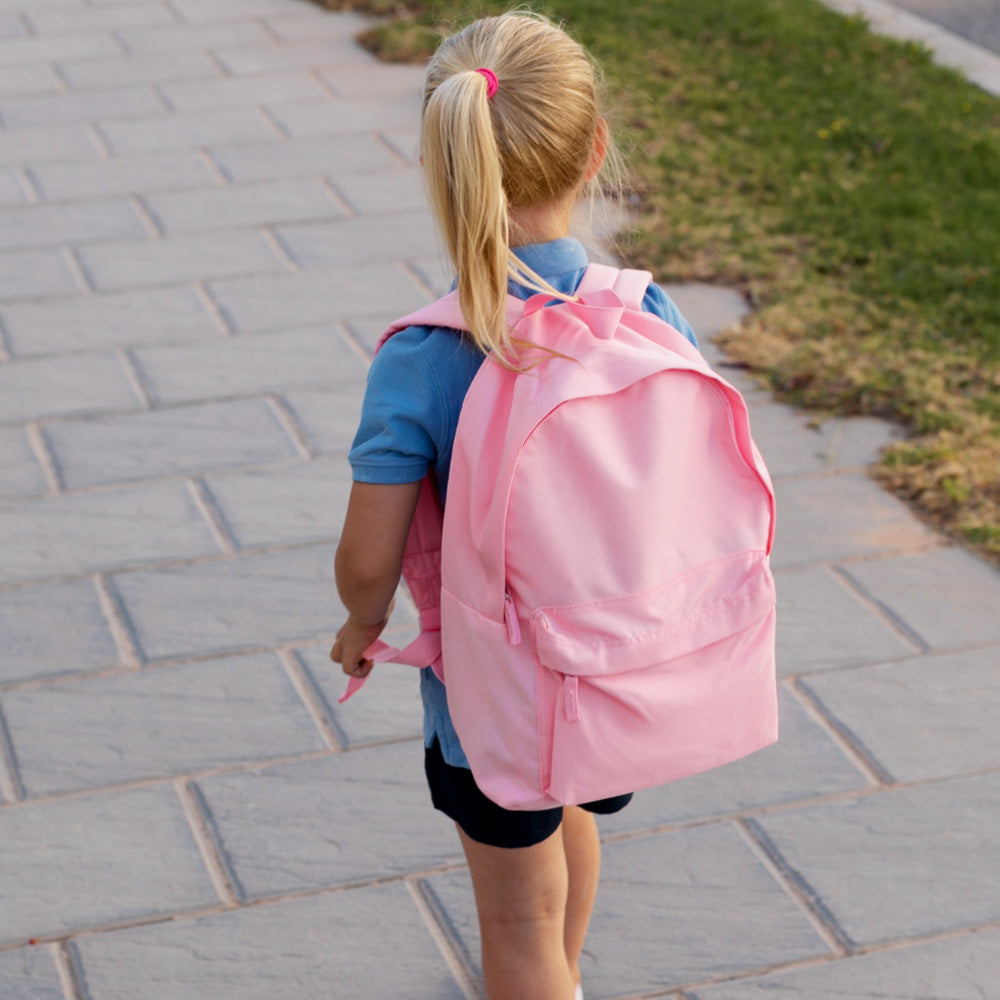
pixel 599 151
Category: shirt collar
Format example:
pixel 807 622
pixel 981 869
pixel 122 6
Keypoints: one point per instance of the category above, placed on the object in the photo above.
pixel 562 256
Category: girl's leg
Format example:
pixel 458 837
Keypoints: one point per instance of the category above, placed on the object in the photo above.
pixel 521 896
pixel 582 846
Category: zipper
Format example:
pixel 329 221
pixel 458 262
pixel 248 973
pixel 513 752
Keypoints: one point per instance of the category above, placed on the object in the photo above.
pixel 510 620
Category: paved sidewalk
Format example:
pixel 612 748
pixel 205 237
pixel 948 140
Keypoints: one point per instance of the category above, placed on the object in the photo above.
pixel 208 209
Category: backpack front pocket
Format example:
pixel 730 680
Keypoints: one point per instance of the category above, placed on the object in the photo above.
pixel 659 685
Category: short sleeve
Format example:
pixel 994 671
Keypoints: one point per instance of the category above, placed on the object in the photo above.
pixel 400 414
pixel 660 304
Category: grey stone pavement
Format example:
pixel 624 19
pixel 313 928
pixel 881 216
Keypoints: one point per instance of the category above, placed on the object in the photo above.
pixel 209 210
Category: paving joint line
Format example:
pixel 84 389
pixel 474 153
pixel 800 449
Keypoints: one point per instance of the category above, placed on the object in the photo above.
pixel 72 935
pixel 119 623
pixel 278 248
pixel 391 149
pixel 442 932
pixel 212 514
pixel 313 701
pixel 150 223
pixel 76 268
pixel 206 834
pixel 286 418
pixel 11 786
pixel 134 378
pixel 222 321
pixel 848 741
pixel 320 458
pixel 43 454
pixel 796 885
pixel 70 970
pixel 857 589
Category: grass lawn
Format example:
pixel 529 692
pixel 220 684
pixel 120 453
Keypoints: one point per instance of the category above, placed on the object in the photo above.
pixel 847 184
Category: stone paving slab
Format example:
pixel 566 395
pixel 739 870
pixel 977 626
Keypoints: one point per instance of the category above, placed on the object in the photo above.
pixel 355 242
pixel 805 762
pixel 305 23
pixel 35 50
pixel 671 909
pixel 931 717
pixel 263 507
pixel 185 131
pixel 390 708
pixel 370 78
pixel 234 604
pixel 64 386
pixel 856 519
pixel 176 441
pixel 86 532
pixel 123 175
pixel 382 191
pixel 178 259
pixel 201 11
pixel 202 95
pixel 329 419
pixel 245 205
pixel 35 273
pixel 189 36
pixel 29 974
pixel 27 78
pixel 27 145
pixel 906 862
pixel 72 19
pixel 352 945
pixel 66 109
pixel 150 67
pixel 962 968
pixel 251 60
pixel 323 118
pixel 96 322
pixel 252 364
pixel 268 303
pixel 21 472
pixel 12 191
pixel 156 723
pixel 792 446
pixel 948 597
pixel 53 629
pixel 332 821
pixel 84 862
pixel 824 624
pixel 274 160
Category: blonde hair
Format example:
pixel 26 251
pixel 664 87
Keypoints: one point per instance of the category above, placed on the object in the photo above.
pixel 529 144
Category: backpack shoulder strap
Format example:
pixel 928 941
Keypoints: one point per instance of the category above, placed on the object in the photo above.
pixel 445 312
pixel 630 286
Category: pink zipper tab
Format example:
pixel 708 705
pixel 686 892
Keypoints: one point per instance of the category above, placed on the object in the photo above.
pixel 571 698
pixel 510 619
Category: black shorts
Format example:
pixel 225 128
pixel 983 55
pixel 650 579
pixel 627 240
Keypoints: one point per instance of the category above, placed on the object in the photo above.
pixel 455 793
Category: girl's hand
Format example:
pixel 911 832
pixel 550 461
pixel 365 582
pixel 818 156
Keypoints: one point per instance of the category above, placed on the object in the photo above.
pixel 352 641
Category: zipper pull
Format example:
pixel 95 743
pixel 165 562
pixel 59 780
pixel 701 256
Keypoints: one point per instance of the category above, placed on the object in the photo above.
pixel 571 697
pixel 510 619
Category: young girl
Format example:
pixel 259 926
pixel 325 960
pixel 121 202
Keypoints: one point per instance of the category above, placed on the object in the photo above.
pixel 511 137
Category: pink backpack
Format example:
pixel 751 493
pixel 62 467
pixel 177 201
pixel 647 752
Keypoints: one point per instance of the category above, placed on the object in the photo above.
pixel 597 596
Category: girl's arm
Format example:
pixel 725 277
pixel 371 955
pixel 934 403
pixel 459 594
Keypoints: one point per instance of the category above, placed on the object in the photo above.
pixel 368 566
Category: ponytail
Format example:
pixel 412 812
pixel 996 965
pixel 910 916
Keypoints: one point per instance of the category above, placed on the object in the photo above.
pixel 487 147
pixel 465 188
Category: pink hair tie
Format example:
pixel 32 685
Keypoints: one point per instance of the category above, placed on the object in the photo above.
pixel 491 81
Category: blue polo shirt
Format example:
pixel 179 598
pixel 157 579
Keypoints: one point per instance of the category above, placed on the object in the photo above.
pixel 416 386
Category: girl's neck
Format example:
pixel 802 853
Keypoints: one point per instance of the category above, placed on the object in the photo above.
pixel 540 223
